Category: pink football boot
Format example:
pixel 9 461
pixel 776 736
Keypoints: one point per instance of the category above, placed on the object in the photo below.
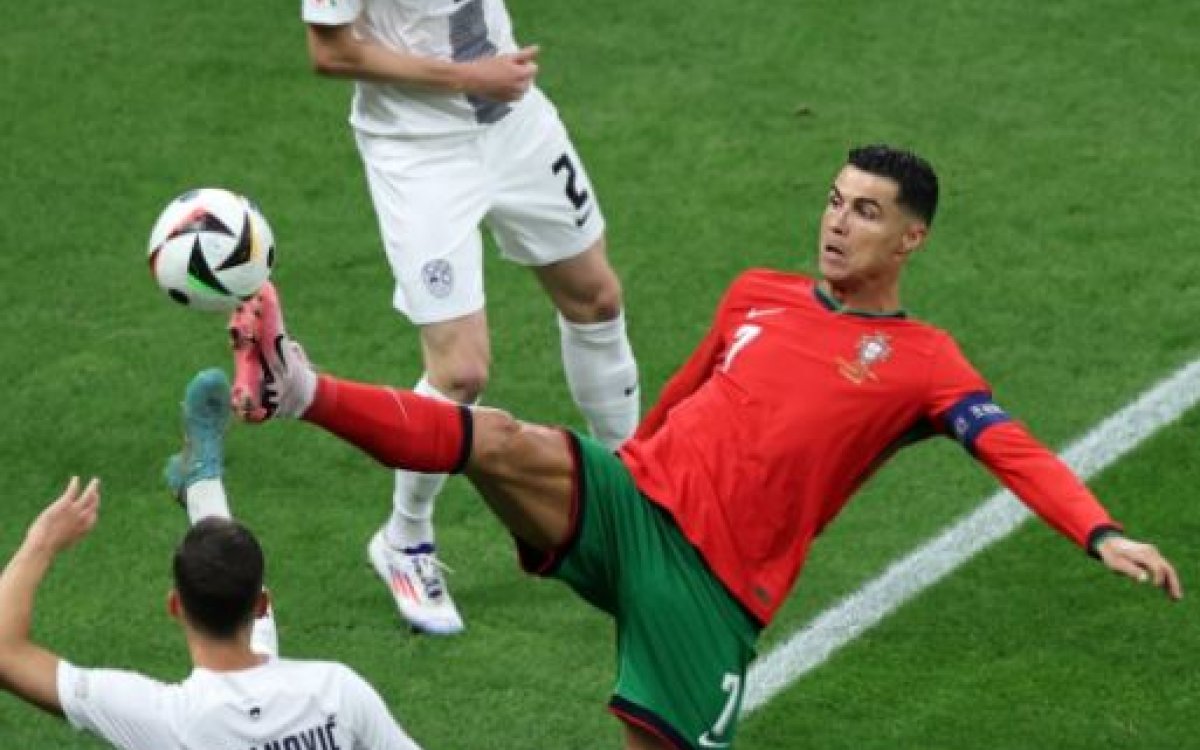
pixel 255 328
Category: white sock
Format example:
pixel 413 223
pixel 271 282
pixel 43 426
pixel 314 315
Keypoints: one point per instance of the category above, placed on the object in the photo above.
pixel 602 376
pixel 298 381
pixel 264 638
pixel 411 522
pixel 206 498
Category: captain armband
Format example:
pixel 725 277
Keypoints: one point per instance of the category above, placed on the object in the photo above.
pixel 971 416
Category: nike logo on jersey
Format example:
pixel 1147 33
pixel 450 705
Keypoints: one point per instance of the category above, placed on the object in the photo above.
pixel 756 312
pixel 581 220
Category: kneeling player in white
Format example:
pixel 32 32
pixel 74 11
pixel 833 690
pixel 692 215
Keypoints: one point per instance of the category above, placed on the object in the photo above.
pixel 235 697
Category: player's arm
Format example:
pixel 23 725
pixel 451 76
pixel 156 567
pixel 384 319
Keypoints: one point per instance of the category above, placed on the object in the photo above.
pixel 961 402
pixel 698 368
pixel 337 51
pixel 26 669
pixel 1054 492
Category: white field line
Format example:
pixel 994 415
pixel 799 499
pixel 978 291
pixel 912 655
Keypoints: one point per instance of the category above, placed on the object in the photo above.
pixel 1105 444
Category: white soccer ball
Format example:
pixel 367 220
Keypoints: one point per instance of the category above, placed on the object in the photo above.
pixel 211 249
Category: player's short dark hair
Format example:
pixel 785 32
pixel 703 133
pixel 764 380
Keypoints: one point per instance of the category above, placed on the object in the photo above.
pixel 916 178
pixel 218 569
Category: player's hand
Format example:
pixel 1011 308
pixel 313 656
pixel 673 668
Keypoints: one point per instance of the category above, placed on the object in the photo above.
pixel 68 519
pixel 504 78
pixel 1141 562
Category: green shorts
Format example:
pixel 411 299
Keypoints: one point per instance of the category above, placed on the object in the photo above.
pixel 683 642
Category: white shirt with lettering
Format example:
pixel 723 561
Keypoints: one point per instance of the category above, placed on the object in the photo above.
pixel 457 30
pixel 283 704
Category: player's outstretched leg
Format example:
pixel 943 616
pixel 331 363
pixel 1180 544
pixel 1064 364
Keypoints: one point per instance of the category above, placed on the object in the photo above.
pixel 194 475
pixel 275 380
pixel 524 472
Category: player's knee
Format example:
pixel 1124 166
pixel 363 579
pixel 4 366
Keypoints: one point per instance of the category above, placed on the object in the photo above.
pixel 495 433
pixel 463 382
pixel 598 303
pixel 457 357
pixel 469 383
pixel 607 303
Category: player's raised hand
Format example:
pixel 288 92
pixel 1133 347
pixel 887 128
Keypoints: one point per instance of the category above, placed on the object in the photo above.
pixel 503 77
pixel 1141 562
pixel 69 518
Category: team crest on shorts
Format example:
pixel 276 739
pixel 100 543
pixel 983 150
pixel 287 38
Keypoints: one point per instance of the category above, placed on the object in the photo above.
pixel 872 350
pixel 438 277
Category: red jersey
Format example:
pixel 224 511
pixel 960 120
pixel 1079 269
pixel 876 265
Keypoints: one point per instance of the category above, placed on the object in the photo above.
pixel 786 408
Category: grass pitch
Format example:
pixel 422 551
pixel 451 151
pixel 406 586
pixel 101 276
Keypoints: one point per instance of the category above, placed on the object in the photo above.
pixel 1063 258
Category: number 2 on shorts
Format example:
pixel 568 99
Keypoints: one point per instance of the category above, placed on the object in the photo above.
pixel 577 197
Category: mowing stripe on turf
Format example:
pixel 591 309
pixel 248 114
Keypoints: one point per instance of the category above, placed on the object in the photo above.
pixel 1105 444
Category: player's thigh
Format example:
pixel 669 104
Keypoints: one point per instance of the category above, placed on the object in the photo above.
pixel 429 197
pixel 544 208
pixel 586 552
pixel 526 474
pixel 683 644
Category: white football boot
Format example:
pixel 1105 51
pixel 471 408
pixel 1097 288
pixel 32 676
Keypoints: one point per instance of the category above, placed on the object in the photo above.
pixel 414 576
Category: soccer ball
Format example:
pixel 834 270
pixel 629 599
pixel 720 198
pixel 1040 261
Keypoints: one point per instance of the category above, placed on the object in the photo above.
pixel 211 249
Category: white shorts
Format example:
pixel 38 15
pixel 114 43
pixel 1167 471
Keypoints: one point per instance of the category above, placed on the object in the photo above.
pixel 521 177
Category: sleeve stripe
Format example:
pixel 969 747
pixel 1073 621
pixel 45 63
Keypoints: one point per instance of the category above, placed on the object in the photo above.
pixel 971 416
pixel 467 418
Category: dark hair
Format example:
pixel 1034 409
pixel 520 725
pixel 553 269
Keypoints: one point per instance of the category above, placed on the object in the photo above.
pixel 218 571
pixel 916 178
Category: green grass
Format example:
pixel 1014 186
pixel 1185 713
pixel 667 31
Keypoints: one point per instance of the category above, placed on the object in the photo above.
pixel 1063 259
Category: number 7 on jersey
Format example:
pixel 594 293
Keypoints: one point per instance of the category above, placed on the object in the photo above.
pixel 742 337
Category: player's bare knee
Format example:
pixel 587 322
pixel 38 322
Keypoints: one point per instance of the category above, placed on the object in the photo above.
pixel 468 384
pixel 457 357
pixel 607 303
pixel 604 301
pixel 494 435
pixel 596 303
pixel 462 381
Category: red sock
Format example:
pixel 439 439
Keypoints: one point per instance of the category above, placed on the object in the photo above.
pixel 400 429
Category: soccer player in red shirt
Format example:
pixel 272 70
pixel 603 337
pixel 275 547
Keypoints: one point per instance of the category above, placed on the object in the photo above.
pixel 693 533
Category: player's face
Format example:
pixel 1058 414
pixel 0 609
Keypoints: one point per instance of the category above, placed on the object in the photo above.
pixel 865 234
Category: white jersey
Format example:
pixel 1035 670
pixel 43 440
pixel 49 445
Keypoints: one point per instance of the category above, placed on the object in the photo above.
pixel 457 30
pixel 282 705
